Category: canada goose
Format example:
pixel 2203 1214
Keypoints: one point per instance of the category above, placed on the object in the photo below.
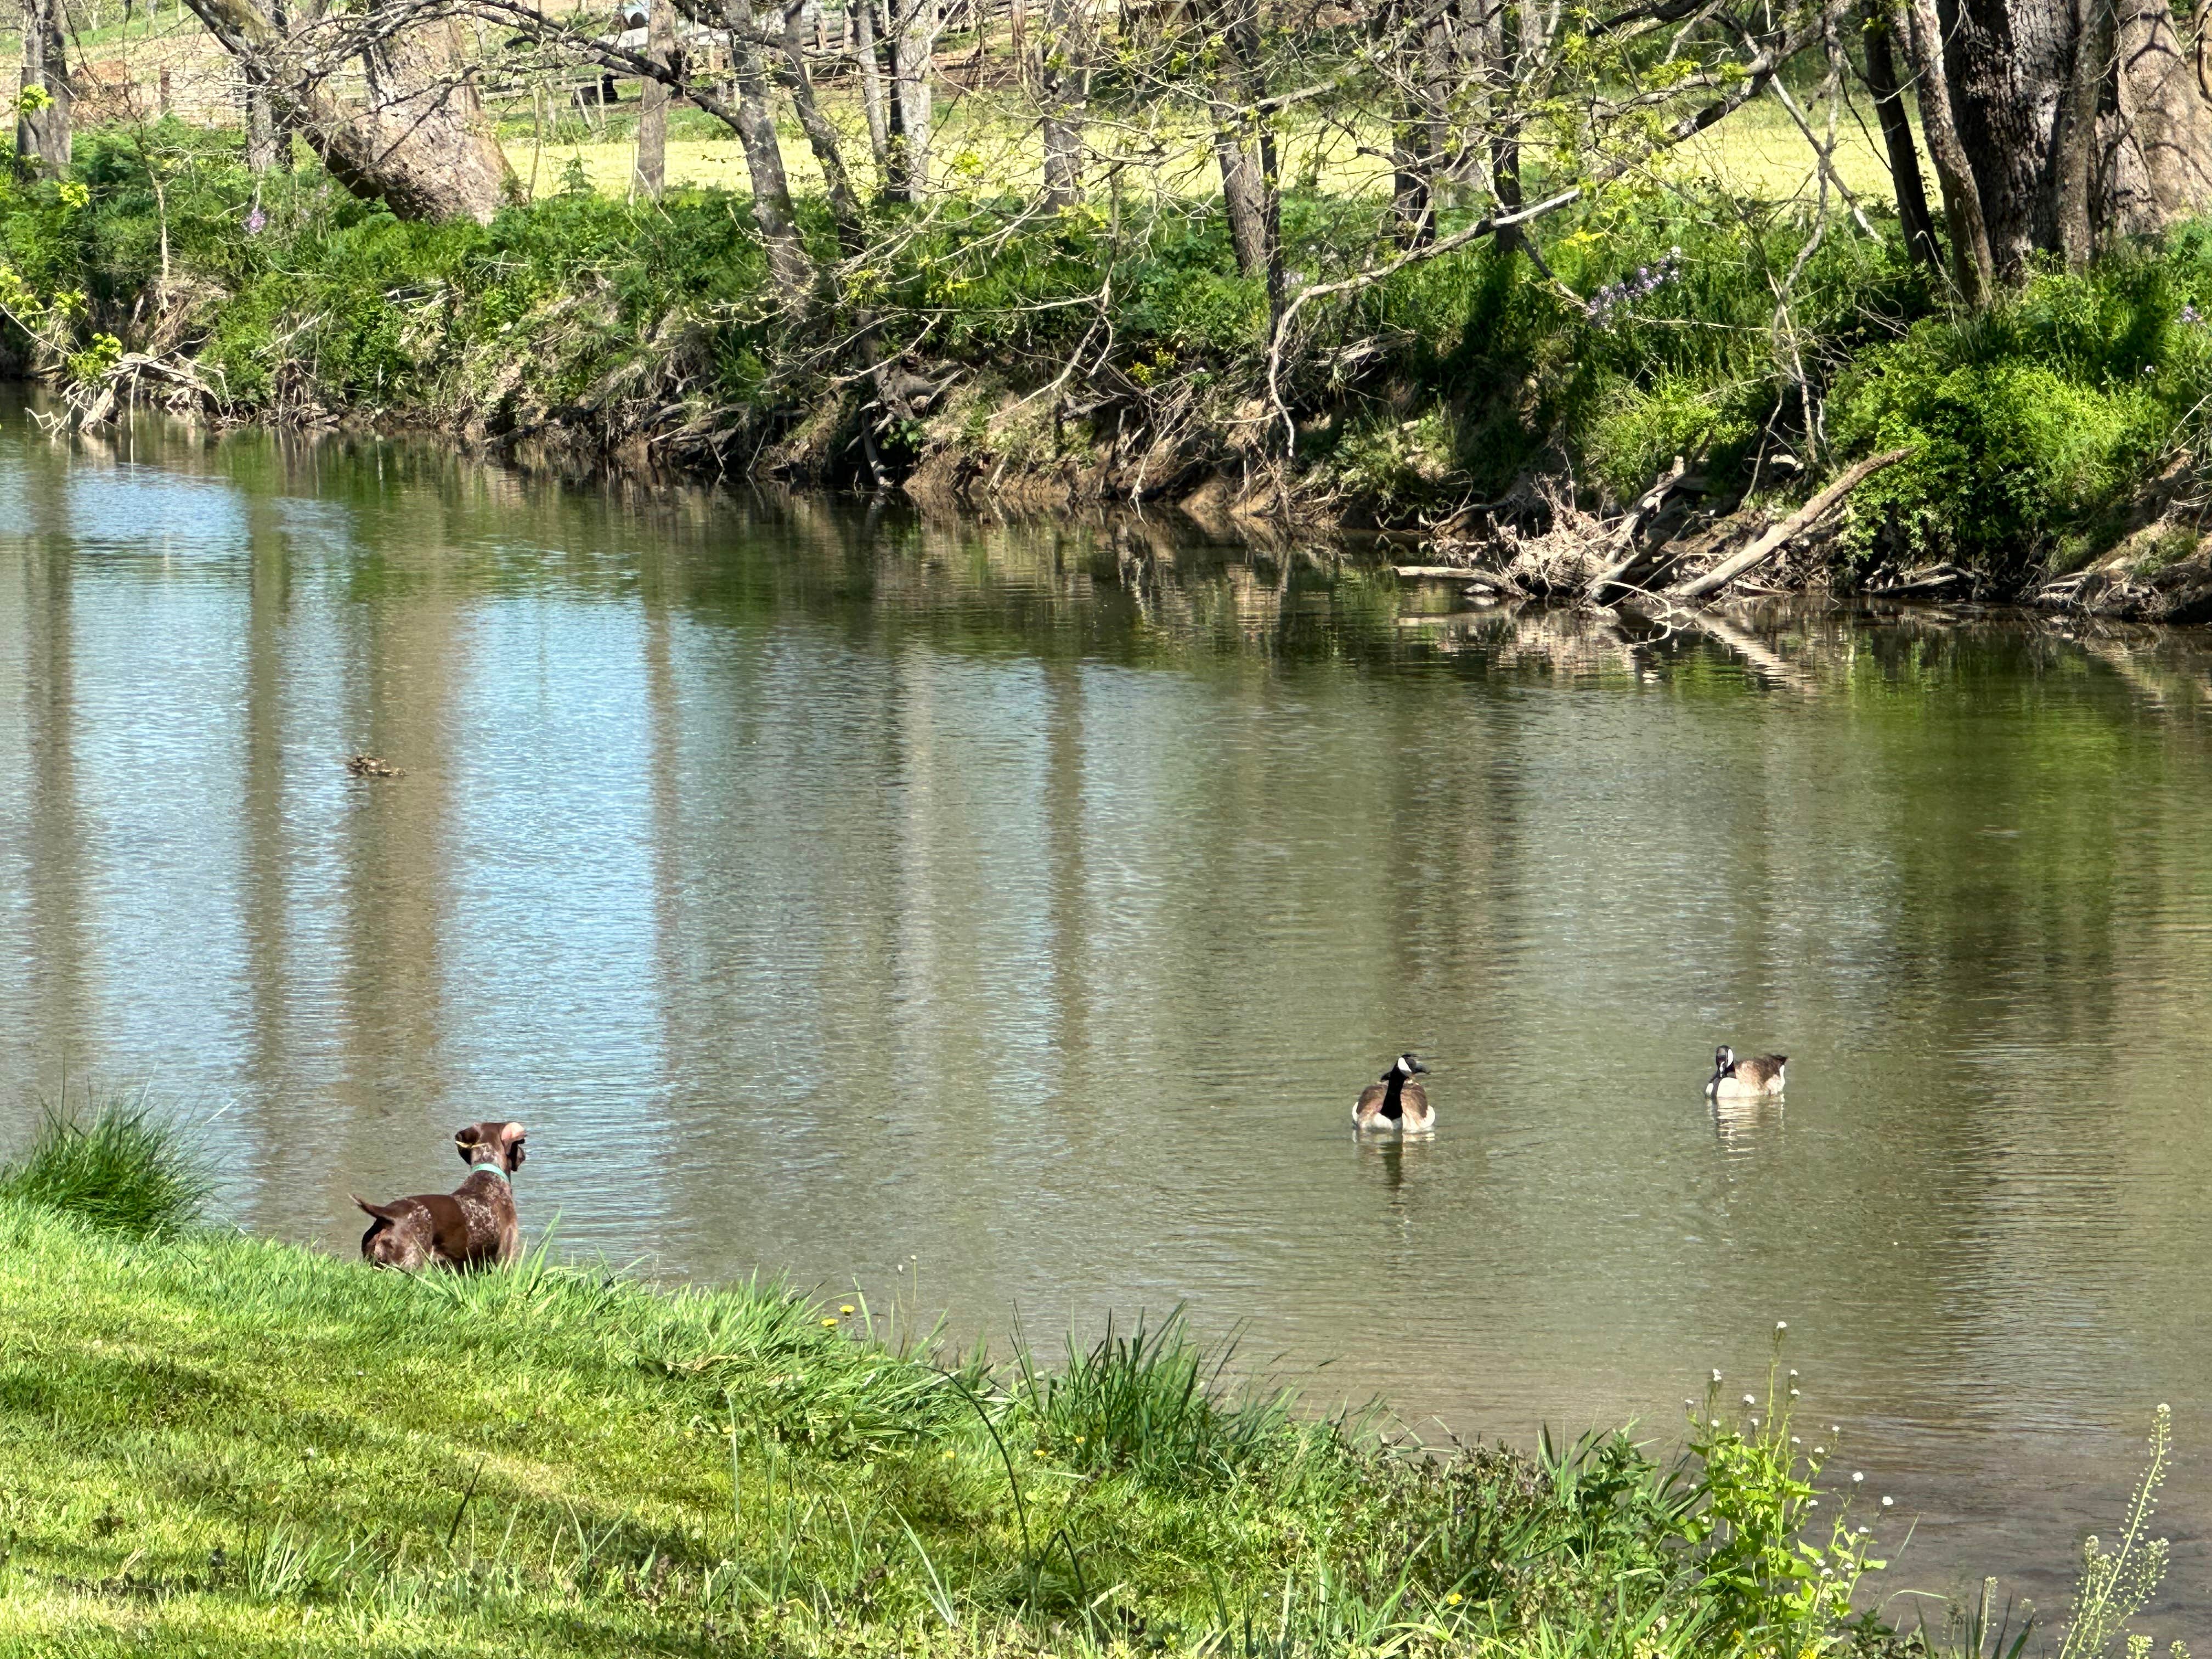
pixel 1395 1103
pixel 1739 1079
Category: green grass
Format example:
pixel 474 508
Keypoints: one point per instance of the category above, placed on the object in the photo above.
pixel 210 1443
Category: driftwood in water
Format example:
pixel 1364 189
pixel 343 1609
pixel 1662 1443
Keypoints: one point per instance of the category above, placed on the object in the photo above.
pixel 1637 563
pixel 1795 525
pixel 1919 583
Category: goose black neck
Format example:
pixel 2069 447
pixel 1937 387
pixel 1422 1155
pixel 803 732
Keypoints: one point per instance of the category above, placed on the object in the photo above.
pixel 1392 1106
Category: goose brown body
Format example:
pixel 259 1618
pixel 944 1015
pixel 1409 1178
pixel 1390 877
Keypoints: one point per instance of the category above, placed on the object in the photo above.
pixel 1395 1103
pixel 1739 1079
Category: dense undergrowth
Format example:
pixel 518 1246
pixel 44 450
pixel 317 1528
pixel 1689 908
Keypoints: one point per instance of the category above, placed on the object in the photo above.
pixel 1655 329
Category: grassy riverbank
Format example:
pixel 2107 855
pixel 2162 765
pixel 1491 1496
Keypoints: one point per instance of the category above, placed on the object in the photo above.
pixel 214 1443
pixel 585 327
pixel 224 1444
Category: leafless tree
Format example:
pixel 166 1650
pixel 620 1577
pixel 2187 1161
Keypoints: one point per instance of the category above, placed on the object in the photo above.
pixel 418 140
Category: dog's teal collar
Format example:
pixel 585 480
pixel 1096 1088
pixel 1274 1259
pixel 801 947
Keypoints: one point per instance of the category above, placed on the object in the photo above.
pixel 491 1168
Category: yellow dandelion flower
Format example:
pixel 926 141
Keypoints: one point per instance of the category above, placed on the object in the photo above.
pixel 831 1321
pixel 846 1308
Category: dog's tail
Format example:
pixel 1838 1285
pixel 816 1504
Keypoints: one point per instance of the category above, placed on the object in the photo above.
pixel 381 1211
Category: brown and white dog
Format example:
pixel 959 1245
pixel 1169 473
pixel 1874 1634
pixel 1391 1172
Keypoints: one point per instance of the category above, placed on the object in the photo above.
pixel 473 1226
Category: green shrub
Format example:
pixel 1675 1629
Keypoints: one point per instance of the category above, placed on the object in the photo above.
pixel 1639 431
pixel 2006 456
pixel 1395 465
pixel 2035 422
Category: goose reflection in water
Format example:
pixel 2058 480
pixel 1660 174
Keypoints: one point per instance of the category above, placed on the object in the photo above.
pixel 1399 1160
pixel 1743 1123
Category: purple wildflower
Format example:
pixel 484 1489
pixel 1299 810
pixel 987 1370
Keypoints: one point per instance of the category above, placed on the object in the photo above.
pixel 1647 280
pixel 255 222
pixel 2189 315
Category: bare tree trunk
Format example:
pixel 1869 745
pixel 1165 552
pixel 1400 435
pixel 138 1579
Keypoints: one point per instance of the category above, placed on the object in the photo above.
pixel 2005 64
pixel 1910 188
pixel 280 124
pixel 260 130
pixel 1972 262
pixel 895 177
pixel 2078 118
pixel 1064 81
pixel 651 176
pixel 2159 137
pixel 2074 158
pixel 1500 63
pixel 1243 193
pixel 1443 67
pixel 912 50
pixel 1409 188
pixel 422 146
pixel 822 137
pixel 1245 150
pixel 424 116
pixel 58 143
pixel 788 264
pixel 43 133
pixel 871 65
pixel 1416 130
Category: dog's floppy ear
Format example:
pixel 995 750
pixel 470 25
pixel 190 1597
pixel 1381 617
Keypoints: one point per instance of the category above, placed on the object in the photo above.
pixel 511 1135
pixel 464 1140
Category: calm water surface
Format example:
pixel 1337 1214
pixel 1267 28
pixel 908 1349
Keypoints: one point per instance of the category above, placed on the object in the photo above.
pixel 829 892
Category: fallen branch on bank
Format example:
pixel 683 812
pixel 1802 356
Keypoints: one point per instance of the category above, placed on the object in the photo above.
pixel 1791 527
pixel 1622 572
pixel 170 383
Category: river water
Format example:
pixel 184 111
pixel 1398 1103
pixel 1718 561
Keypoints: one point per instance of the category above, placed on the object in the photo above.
pixel 1020 909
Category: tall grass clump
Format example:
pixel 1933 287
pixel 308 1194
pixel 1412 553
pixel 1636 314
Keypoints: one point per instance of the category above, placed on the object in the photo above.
pixel 1679 323
pixel 1154 1400
pixel 113 1164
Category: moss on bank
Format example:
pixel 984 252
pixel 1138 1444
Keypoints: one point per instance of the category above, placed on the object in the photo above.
pixel 588 327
